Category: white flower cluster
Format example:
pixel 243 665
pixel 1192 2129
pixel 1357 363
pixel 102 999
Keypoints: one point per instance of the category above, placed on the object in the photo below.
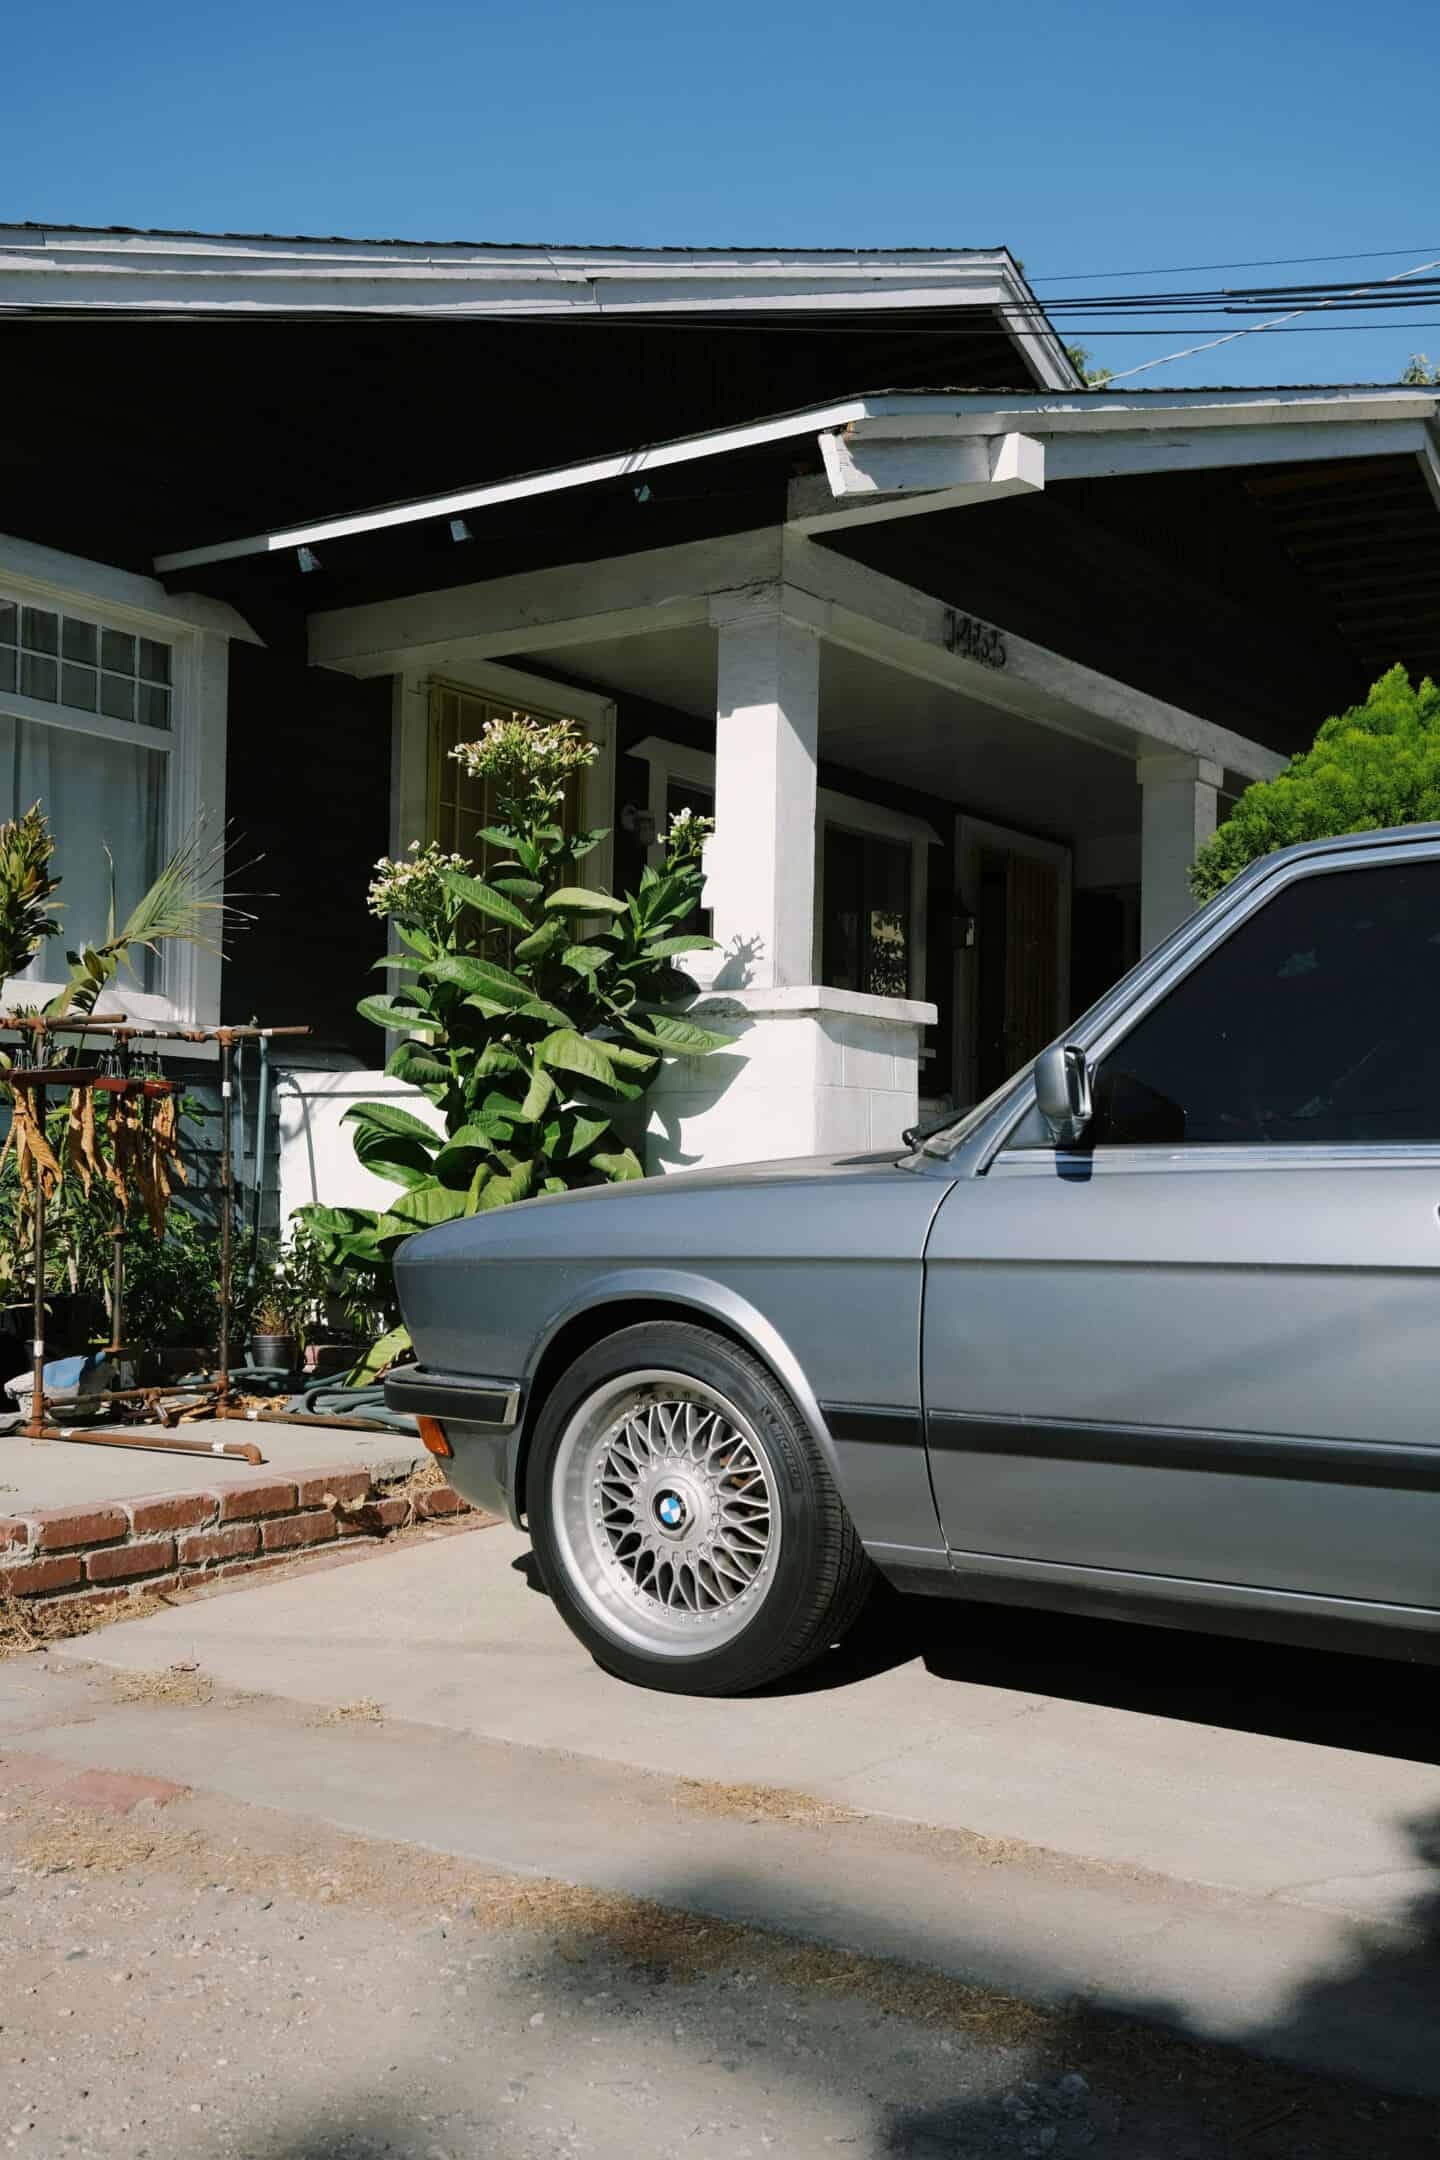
pixel 410 886
pixel 522 752
pixel 686 836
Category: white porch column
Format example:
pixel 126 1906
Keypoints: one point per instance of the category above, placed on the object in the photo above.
pixel 1177 817
pixel 813 1070
pixel 761 865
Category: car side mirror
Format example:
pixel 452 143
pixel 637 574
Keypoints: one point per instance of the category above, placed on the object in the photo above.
pixel 1062 1092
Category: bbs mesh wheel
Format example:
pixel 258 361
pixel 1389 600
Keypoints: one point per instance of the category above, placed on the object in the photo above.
pixel 685 1522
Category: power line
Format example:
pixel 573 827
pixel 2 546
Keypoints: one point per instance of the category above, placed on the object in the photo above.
pixel 1260 262
pixel 1331 329
pixel 1190 352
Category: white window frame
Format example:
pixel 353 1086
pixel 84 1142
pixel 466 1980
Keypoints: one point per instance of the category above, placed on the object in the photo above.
pixel 197 632
pixel 410 747
pixel 669 761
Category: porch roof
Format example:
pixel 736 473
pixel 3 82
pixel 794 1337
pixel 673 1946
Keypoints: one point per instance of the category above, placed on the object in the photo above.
pixel 1254 555
pixel 1067 423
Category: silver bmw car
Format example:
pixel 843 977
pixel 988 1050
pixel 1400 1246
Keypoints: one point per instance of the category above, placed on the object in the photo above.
pixel 1153 1333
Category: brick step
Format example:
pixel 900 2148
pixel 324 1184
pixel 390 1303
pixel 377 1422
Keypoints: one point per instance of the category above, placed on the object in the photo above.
pixel 97 1553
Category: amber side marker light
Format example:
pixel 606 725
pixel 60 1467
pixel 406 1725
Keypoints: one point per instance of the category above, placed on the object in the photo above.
pixel 432 1432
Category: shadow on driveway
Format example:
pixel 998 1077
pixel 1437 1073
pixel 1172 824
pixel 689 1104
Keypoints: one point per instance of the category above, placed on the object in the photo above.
pixel 1328 1698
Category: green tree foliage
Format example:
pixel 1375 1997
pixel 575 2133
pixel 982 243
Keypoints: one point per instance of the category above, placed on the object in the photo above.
pixel 1420 371
pixel 1094 378
pixel 1374 766
pixel 531 1008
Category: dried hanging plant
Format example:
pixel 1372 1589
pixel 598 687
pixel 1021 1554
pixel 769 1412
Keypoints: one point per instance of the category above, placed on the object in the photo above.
pixel 81 1139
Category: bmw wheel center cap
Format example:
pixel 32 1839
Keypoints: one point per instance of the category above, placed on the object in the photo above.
pixel 670 1510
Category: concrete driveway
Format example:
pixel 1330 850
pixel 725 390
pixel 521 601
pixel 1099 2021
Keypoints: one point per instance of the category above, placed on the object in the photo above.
pixel 1242 1841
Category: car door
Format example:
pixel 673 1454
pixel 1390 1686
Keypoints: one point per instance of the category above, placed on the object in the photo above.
pixel 1205 1347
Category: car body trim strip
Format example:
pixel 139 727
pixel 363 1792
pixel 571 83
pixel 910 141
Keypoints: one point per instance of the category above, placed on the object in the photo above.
pixel 1240 1454
pixel 873 1424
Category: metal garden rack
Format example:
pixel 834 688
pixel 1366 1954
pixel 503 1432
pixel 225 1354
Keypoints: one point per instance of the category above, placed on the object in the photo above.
pixel 217 1389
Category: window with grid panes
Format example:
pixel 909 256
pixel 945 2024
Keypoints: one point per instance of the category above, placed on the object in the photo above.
pixel 86 730
pixel 460 806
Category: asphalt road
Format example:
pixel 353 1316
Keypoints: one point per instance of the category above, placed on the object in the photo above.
pixel 184 1973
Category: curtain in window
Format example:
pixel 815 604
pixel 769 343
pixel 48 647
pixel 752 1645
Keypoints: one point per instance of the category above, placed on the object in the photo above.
pixel 97 794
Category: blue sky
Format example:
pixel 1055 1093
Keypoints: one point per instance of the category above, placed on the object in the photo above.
pixel 1087 140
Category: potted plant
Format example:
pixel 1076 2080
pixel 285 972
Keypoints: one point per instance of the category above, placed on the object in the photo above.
pixel 273 1343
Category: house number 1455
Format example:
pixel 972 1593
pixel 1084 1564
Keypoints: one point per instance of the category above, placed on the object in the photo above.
pixel 973 639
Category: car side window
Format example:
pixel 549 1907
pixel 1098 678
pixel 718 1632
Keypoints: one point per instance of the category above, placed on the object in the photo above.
pixel 1317 1021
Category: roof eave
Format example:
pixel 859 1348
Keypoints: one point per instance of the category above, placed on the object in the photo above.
pixel 873 420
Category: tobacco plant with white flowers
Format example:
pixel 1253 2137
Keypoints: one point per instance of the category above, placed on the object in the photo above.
pixel 530 1008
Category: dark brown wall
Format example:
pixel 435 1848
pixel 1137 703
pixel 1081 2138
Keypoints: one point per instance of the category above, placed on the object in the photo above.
pixel 307 791
pixel 1176 583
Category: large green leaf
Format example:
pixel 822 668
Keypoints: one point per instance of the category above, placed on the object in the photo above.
pixel 480 1130
pixel 517 1184
pixel 484 977
pixel 586 959
pixel 496 1058
pixel 379 1358
pixel 579 900
pixel 581 1133
pixel 520 888
pixel 397 964
pixel 620 1166
pixel 639 1061
pixel 500 837
pixel 664 948
pixel 681 1038
pixel 390 1118
pixel 538 1096
pixel 331 1221
pixel 455 1165
pixel 419 941
pixel 421 1209
pixel 542 1009
pixel 541 941
pixel 568 1051
pixel 484 899
pixel 385 1013
pixel 417 1065
pixel 394 1157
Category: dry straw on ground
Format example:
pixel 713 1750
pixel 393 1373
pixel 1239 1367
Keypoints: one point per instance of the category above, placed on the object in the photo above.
pixel 179 1686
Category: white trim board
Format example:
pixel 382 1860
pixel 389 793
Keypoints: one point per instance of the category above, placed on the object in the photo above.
pixel 143 601
pixel 198 633
pixel 699 582
pixel 180 274
pixel 890 417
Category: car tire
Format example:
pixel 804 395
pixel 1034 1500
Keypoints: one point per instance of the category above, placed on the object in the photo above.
pixel 684 1520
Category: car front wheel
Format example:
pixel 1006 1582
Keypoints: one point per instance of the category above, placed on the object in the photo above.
pixel 685 1522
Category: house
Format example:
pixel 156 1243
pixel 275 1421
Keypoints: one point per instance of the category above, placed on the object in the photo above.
pixel 966 657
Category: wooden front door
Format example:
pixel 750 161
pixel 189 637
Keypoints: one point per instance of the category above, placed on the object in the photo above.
pixel 1018 951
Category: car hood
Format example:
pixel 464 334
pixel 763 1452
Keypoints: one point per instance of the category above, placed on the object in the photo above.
pixel 723 1176
pixel 751 1207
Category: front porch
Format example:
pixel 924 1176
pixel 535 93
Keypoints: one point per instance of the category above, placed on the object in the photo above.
pixel 935 840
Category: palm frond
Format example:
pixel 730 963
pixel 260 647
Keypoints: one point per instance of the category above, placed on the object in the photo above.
pixel 188 901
